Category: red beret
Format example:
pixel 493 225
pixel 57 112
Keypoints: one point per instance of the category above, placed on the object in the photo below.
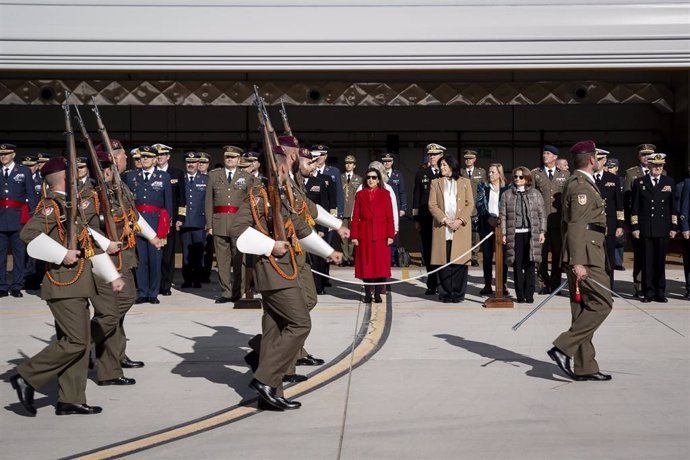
pixel 305 153
pixel 103 157
pixel 288 141
pixel 114 144
pixel 55 164
pixel 278 150
pixel 583 147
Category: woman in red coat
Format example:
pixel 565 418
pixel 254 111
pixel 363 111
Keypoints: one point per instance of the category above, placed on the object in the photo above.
pixel 372 232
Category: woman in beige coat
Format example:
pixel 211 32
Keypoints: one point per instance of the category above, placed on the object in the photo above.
pixel 451 204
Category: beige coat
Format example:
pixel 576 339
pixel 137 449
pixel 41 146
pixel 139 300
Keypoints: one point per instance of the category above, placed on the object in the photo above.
pixel 462 238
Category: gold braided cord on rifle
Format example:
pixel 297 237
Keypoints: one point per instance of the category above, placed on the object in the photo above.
pixel 128 237
pixel 289 227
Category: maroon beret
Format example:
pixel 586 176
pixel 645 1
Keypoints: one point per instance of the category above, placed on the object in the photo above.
pixel 278 150
pixel 583 147
pixel 114 144
pixel 288 141
pixel 55 164
pixel 305 153
pixel 103 157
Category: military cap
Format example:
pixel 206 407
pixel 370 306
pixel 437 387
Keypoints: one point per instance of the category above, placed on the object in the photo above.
pixel 191 157
pixel 646 149
pixel 288 141
pixel 551 148
pixel 657 158
pixel 469 154
pixel 103 158
pixel 434 149
pixel 232 151
pixel 30 160
pixel 583 147
pixel 251 156
pixel 601 153
pixel 305 153
pixel 114 144
pixel 161 149
pixel 7 148
pixel 612 162
pixel 81 162
pixel 146 151
pixel 320 149
pixel 42 157
pixel 387 157
pixel 204 157
pixel 350 159
pixel 244 162
pixel 53 165
pixel 136 154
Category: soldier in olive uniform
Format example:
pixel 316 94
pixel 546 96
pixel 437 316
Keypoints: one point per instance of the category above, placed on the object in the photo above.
pixel 67 287
pixel 654 221
pixel 227 189
pixel 584 230
pixel 631 175
pixel 612 194
pixel 477 176
pixel 351 181
pixel 420 210
pixel 549 181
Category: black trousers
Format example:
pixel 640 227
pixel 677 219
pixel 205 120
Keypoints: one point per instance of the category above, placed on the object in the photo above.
pixel 168 261
pixel 452 280
pixel 523 268
pixel 610 242
pixel 553 244
pixel 654 266
pixel 638 255
pixel 686 263
pixel 426 228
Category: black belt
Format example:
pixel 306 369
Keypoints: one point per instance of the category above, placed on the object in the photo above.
pixel 596 228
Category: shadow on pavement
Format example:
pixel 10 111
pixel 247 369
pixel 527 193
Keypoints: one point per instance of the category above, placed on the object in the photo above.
pixel 540 369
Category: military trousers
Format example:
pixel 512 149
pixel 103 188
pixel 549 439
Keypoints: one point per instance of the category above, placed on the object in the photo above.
pixel 654 266
pixel 148 272
pixel 193 240
pixel 285 326
pixel 107 330
pixel 12 239
pixel 67 358
pixel 167 267
pixel 587 316
pixel 229 261
pixel 347 246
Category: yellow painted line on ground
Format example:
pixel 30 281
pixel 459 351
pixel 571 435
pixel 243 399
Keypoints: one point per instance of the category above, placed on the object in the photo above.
pixel 373 336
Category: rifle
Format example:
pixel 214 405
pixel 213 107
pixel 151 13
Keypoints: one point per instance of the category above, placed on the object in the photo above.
pixel 104 194
pixel 283 114
pixel 117 180
pixel 71 181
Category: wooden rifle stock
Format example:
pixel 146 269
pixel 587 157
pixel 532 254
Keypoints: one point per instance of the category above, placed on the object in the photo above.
pixel 71 181
pixel 283 114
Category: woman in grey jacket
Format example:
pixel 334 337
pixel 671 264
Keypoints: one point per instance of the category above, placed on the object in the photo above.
pixel 524 225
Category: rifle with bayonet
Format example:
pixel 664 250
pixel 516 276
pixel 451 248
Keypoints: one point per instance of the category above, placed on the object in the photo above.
pixel 104 193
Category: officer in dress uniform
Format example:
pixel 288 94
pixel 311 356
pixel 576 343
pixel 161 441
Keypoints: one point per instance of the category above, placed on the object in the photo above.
pixel 653 220
pixel 204 162
pixel 153 198
pixel 584 229
pixel 136 158
pixel 331 175
pixel 316 188
pixel 227 189
pixel 17 202
pixel 351 181
pixel 397 183
pixel 178 217
pixel 193 233
pixel 631 175
pixel 34 271
pixel 67 287
pixel 420 209
pixel 549 181
pixel 476 175
pixel 611 192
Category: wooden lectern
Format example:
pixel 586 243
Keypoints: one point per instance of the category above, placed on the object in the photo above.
pixel 499 301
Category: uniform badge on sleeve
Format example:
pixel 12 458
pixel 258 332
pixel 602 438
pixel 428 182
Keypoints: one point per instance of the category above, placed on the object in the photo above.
pixel 582 199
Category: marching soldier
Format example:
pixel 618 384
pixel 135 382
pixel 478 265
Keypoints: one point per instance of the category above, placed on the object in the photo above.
pixel 420 209
pixel 631 175
pixel 612 194
pixel 17 202
pixel 67 287
pixel 584 228
pixel 176 220
pixel 192 233
pixel 351 181
pixel 227 189
pixel 153 199
pixel 476 175
pixel 550 181
pixel 653 220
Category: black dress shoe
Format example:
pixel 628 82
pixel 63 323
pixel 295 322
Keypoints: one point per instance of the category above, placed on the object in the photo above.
pixel 377 298
pixel 252 360
pixel 117 381
pixel 529 300
pixel 76 409
pixel 544 291
pixel 3 293
pixel 196 284
pixel 222 299
pixel 310 360
pixel 321 291
pixel 166 292
pixel 327 284
pixel 186 285
pixel 294 378
pixel 25 393
pixel 286 404
pixel 646 299
pixel 596 377
pixel 562 360
pixel 154 300
pixel 266 393
pixel 235 298
pixel 619 268
pixel 16 293
pixel 367 299
pixel 141 300
pixel 659 298
pixel 127 363
pixel 430 292
pixel 475 263
pixel 486 290
pixel 520 300
pixel 687 295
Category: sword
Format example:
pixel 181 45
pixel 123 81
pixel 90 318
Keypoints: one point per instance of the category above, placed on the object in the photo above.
pixel 543 302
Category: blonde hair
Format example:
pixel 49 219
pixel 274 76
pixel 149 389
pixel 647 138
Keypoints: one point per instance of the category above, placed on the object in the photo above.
pixel 501 174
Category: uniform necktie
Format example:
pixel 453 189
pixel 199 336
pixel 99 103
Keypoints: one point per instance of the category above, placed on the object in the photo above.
pixel 146 177
pixel 550 174
pixel 191 179
pixel 598 176
pixel 646 172
pixel 7 173
pixel 656 181
pixel 348 178
pixel 469 173
pixel 229 176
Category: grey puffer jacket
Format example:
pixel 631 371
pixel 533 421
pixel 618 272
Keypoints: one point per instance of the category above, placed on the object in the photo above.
pixel 535 206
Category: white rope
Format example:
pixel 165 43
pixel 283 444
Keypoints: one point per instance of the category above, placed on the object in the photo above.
pixel 406 280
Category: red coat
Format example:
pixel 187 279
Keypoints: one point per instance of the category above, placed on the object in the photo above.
pixel 372 224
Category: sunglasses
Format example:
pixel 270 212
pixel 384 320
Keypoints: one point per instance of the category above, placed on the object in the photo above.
pixel 518 177
pixel 373 177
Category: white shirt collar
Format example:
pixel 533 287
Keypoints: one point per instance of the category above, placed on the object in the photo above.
pixel 9 166
pixel 164 168
pixel 588 175
pixel 148 171
pixel 230 171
